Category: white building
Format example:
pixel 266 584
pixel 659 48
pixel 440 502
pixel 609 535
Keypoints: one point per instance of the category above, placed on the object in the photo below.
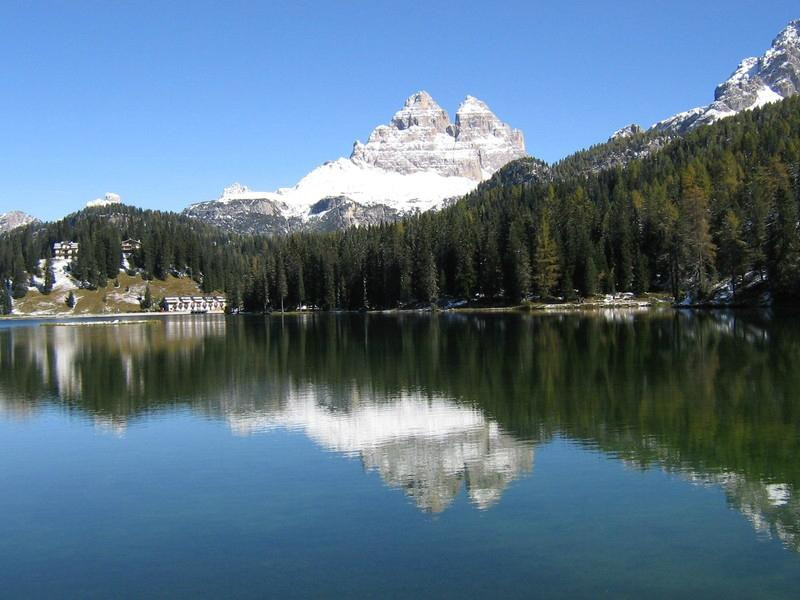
pixel 68 250
pixel 195 304
pixel 129 246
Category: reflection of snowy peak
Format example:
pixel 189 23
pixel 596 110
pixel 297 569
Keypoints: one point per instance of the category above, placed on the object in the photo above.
pixel 757 81
pixel 414 163
pixel 427 447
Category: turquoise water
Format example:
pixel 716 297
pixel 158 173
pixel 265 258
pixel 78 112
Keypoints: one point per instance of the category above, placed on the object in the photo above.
pixel 618 455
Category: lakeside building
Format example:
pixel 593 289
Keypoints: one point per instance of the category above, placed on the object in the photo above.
pixel 195 304
pixel 129 246
pixel 67 250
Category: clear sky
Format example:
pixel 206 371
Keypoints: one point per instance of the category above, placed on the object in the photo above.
pixel 165 103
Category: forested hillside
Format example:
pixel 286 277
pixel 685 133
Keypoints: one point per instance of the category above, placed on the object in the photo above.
pixel 716 204
pixel 171 245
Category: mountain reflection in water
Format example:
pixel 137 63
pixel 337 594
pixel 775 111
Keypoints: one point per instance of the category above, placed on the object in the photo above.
pixel 434 403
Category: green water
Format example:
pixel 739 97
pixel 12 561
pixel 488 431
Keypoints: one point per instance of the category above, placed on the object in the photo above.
pixel 602 455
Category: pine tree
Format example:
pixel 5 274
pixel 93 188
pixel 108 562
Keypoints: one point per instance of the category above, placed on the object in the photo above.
pixel 265 281
pixel 694 235
pixel 518 264
pixel 426 271
pixel 6 302
pixel 49 277
pixel 590 275
pixel 147 300
pixel 546 269
pixel 282 285
pixel 72 301
pixel 732 248
pixel 784 242
pixel 300 286
pixel 490 265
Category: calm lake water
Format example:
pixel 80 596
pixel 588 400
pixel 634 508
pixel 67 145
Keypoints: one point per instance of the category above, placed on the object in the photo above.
pixel 604 455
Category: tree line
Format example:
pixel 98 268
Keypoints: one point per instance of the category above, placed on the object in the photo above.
pixel 720 203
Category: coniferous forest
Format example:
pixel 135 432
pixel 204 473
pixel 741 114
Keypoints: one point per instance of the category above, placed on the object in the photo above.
pixel 720 204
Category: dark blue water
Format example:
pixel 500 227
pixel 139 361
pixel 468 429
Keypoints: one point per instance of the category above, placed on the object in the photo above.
pixel 604 455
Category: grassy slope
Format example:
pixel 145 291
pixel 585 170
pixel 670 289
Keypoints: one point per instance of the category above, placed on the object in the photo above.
pixel 108 300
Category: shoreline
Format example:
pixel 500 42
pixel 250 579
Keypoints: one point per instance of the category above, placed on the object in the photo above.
pixel 519 309
pixel 109 316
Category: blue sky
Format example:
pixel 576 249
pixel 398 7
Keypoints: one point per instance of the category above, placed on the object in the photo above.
pixel 166 103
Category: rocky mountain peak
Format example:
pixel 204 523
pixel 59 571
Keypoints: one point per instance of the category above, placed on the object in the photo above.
pixel 756 81
pixel 421 137
pixel 421 110
pixel 233 190
pixel 13 219
pixel 626 132
pixel 471 104
pixel 474 120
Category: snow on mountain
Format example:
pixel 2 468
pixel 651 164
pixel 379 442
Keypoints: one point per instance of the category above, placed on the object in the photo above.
pixel 415 163
pixel 368 185
pixel 12 220
pixel 755 82
pixel 108 199
pixel 626 132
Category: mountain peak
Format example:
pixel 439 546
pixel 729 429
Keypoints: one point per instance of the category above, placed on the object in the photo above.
pixel 421 110
pixel 789 34
pixel 421 137
pixel 13 219
pixel 472 104
pixel 235 189
pixel 626 132
pixel 756 81
pixel 420 98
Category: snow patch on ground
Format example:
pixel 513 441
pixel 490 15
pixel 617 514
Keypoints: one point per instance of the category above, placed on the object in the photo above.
pixel 63 280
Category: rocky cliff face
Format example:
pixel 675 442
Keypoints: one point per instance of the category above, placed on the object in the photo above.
pixel 12 220
pixel 419 161
pixel 421 137
pixel 757 81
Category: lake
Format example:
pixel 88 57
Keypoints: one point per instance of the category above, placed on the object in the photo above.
pixel 598 455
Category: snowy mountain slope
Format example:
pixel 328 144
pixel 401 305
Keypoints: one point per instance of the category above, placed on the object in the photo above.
pixel 415 163
pixel 12 220
pixel 757 81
